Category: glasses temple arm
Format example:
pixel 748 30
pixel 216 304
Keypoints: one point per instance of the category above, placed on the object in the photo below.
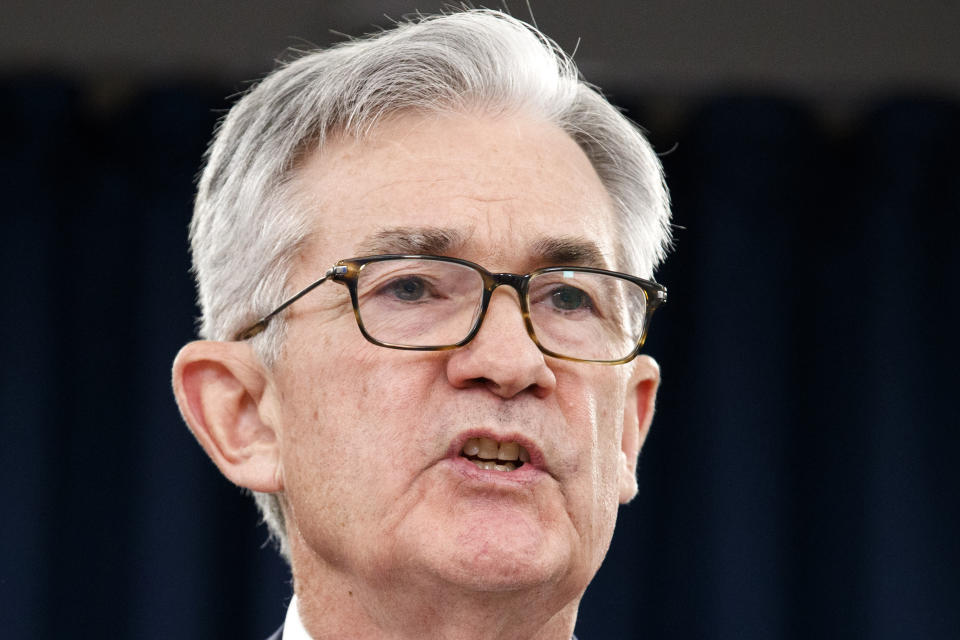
pixel 261 324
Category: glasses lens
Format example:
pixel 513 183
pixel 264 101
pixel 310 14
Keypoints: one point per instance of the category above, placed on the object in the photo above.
pixel 591 316
pixel 418 303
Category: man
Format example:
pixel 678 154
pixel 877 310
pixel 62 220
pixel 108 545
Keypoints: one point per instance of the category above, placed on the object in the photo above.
pixel 438 446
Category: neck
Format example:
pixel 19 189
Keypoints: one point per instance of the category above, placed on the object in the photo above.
pixel 333 604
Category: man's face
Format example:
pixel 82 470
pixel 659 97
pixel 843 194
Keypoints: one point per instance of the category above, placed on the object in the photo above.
pixel 371 438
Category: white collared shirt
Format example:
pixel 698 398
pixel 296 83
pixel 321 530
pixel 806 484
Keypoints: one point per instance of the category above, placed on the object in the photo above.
pixel 292 626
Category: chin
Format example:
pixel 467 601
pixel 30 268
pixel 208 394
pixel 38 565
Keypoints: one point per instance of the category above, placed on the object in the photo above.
pixel 501 556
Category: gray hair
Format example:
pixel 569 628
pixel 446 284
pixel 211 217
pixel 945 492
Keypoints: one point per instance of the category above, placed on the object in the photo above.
pixel 246 230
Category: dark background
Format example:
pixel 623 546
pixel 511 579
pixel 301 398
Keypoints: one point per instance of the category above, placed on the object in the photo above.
pixel 800 480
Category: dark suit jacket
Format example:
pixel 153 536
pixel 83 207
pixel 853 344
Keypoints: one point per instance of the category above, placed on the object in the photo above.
pixel 277 634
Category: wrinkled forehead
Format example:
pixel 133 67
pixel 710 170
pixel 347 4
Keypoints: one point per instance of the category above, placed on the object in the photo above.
pixel 503 190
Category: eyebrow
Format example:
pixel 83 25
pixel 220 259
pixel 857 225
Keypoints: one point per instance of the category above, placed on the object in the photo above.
pixel 414 240
pixel 570 250
pixel 440 241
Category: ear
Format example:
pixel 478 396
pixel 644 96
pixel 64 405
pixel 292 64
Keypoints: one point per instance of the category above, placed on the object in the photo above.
pixel 637 416
pixel 221 389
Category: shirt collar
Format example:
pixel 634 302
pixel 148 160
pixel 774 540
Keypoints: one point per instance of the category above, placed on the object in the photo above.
pixel 292 626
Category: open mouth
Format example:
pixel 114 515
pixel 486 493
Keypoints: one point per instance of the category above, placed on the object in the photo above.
pixel 494 456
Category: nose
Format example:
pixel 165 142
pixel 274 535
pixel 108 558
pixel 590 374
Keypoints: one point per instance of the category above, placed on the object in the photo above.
pixel 502 357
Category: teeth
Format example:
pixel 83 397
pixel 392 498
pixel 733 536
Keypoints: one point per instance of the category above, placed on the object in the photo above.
pixel 488 449
pixel 491 455
pixel 490 465
pixel 508 451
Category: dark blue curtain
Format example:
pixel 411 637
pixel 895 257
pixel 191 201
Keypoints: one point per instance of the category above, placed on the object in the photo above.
pixel 800 479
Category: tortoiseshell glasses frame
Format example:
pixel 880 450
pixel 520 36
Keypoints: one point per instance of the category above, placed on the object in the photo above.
pixel 348 272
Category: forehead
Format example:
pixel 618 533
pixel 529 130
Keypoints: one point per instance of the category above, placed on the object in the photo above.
pixel 508 192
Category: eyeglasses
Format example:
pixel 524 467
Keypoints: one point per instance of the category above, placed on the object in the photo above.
pixel 433 303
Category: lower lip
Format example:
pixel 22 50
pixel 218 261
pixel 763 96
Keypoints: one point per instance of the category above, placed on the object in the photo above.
pixel 522 476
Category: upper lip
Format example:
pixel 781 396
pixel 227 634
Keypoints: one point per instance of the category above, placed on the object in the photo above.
pixel 536 454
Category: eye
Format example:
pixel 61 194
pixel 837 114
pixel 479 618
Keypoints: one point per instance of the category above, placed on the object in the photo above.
pixel 568 298
pixel 408 289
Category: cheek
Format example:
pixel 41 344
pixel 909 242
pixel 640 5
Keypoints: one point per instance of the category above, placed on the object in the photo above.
pixel 345 437
pixel 352 409
pixel 390 397
pixel 593 410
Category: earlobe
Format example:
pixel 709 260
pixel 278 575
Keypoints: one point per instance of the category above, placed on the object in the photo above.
pixel 637 416
pixel 222 390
